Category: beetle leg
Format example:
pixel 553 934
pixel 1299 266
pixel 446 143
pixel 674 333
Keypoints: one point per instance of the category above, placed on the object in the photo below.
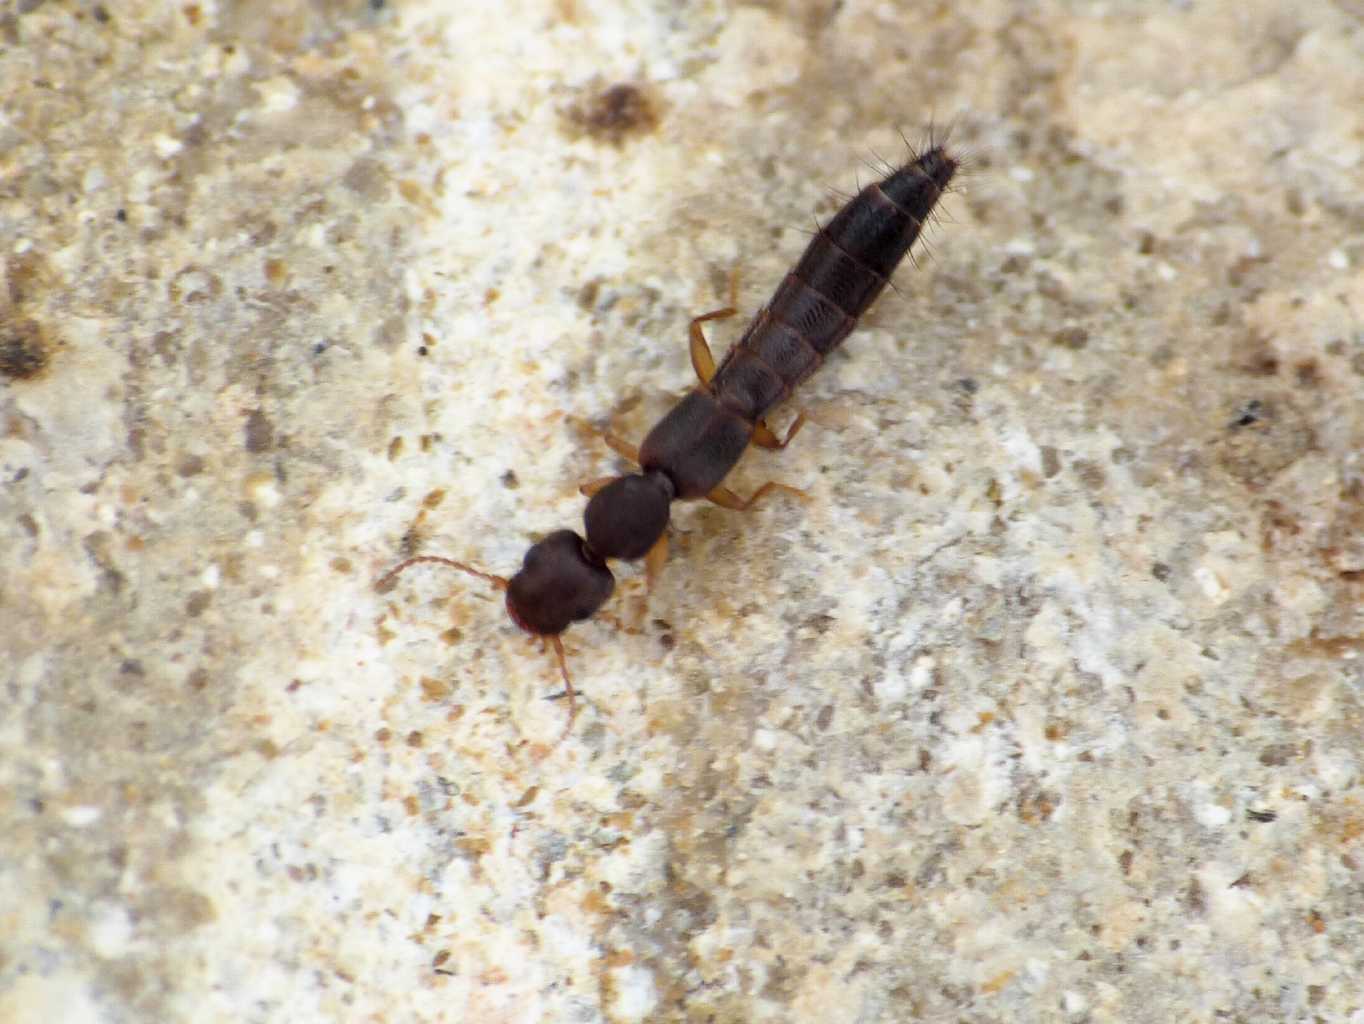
pixel 726 498
pixel 655 560
pixel 593 486
pixel 621 447
pixel 702 361
pixel 764 438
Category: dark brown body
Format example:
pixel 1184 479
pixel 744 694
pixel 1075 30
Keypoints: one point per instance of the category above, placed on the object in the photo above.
pixel 564 577
pixel 842 272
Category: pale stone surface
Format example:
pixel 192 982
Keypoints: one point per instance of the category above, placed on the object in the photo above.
pixel 1046 706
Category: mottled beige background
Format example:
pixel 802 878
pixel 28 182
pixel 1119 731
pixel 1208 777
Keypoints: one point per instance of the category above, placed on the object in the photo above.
pixel 1046 707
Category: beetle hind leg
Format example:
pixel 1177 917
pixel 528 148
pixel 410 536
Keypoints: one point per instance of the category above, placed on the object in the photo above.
pixel 763 436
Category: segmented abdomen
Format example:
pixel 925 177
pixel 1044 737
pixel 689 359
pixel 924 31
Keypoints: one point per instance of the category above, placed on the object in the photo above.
pixel 844 268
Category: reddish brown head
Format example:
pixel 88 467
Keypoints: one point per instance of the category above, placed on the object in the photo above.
pixel 561 582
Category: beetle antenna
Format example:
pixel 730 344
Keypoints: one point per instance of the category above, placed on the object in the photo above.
pixel 385 582
pixel 557 643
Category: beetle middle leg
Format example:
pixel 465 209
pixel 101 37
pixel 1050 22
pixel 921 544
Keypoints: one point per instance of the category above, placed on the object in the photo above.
pixel 621 447
pixel 615 442
pixel 726 498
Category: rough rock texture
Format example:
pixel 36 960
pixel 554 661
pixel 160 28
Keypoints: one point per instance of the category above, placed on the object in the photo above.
pixel 1046 706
